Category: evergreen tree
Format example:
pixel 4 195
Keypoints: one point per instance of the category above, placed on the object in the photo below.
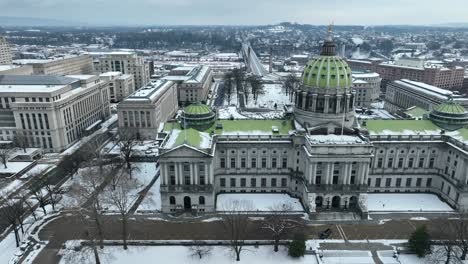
pixel 419 241
pixel 297 247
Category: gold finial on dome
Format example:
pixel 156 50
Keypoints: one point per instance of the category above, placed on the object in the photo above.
pixel 330 28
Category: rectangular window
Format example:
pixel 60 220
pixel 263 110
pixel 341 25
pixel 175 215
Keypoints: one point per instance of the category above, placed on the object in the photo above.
pixel 377 182
pixel 187 180
pixel 418 182
pixel 379 163
pixel 273 162
pixel 264 180
pixel 335 180
pixel 233 162
pixel 273 182
pixel 318 180
pixel 352 180
pixel 253 163
pixel 243 182
pixel 410 162
pixel 202 180
pixel 173 180
pixel 284 164
pixel 429 182
pixel 264 163
pixel 398 182
pixel 243 163
pixel 390 163
pixel 233 182
pixel 421 163
pixel 284 182
pixel 222 182
pixel 431 163
pixel 408 182
pixel 253 182
pixel 388 182
pixel 222 163
pixel 400 163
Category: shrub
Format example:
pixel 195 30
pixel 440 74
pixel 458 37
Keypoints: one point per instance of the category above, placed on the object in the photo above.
pixel 297 247
pixel 419 241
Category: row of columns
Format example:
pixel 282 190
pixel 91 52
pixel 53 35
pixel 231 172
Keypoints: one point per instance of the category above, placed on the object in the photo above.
pixel 362 173
pixel 179 173
pixel 313 107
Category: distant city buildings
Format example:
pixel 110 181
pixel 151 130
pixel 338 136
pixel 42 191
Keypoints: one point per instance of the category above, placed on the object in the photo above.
pixel 64 65
pixel 403 94
pixel 194 83
pixel 5 52
pixel 10 69
pixel 447 77
pixel 367 87
pixel 120 85
pixel 124 62
pixel 143 111
pixel 52 112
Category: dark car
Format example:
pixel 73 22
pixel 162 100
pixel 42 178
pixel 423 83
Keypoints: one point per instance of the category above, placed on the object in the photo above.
pixel 325 233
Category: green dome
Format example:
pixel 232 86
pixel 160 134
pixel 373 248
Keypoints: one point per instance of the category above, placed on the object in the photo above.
pixel 450 116
pixel 197 109
pixel 450 108
pixel 327 72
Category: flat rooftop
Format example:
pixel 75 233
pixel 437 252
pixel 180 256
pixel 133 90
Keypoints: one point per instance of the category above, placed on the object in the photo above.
pixel 150 91
pixel 196 138
pixel 36 80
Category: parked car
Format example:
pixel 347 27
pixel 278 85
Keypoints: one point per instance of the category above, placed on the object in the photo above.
pixel 325 233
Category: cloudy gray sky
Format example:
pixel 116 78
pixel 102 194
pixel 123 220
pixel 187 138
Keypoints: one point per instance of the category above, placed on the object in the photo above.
pixel 246 12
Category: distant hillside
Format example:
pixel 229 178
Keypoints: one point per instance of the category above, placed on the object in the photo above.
pixel 455 25
pixel 6 21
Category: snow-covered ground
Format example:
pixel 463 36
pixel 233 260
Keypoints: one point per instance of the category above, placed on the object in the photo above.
pixel 182 255
pixel 37 169
pixel 272 93
pixel 144 172
pixel 404 202
pixel 257 201
pixel 347 256
pixel 152 200
pixel 14 166
pixel 144 148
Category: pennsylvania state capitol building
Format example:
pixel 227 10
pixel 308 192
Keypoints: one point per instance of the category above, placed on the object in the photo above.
pixel 320 154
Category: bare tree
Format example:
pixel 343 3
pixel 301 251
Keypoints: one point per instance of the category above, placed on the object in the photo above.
pixel 256 86
pixel 236 224
pixel 123 197
pixel 461 233
pixel 21 141
pixel 279 222
pixel 70 164
pixel 89 198
pixel 127 141
pixel 290 85
pixel 445 250
pixel 11 213
pixel 199 250
pixel 41 196
pixel 5 152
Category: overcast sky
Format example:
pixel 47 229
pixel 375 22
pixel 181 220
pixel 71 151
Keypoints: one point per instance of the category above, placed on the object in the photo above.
pixel 241 12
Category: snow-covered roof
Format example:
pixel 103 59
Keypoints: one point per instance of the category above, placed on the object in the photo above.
pixel 150 92
pixel 334 139
pixel 425 88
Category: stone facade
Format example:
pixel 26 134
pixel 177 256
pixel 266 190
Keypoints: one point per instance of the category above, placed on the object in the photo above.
pixel 53 112
pixel 67 65
pixel 5 52
pixel 144 110
pixel 120 85
pixel 367 88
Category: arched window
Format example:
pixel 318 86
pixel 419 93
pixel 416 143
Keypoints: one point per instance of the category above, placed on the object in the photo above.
pixel 201 200
pixel 172 200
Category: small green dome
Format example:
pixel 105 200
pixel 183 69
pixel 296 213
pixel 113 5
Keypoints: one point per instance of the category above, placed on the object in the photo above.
pixel 450 116
pixel 450 108
pixel 197 109
pixel 327 72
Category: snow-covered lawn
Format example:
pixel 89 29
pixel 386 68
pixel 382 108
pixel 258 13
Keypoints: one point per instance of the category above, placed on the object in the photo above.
pixel 144 172
pixel 258 201
pixel 152 200
pixel 347 256
pixel 14 166
pixel 182 255
pixel 144 148
pixel 404 202
pixel 38 169
pixel 273 93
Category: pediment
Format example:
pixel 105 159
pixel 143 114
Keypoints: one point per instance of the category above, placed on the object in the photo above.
pixel 184 151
